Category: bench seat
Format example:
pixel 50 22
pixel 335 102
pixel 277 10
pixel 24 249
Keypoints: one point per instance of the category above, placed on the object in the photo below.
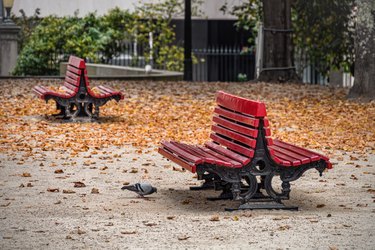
pixel 287 155
pixel 43 91
pixel 190 156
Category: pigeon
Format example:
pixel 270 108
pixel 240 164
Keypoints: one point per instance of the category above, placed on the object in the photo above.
pixel 141 189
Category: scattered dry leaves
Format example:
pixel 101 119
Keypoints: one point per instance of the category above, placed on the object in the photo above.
pixel 307 115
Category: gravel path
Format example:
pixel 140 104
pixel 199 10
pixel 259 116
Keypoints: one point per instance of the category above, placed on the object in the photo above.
pixel 337 211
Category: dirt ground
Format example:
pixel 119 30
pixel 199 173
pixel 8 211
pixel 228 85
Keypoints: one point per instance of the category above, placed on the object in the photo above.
pixel 336 211
pixel 52 199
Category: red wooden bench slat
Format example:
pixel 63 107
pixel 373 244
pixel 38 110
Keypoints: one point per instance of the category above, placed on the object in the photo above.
pixel 181 153
pixel 70 92
pixel 206 157
pixel 107 89
pixel 228 153
pixel 104 92
pixel 71 87
pixel 72 81
pixel 311 152
pixel 236 127
pixel 111 91
pixel 294 161
pixel 234 163
pixel 233 146
pixel 267 131
pixel 266 122
pixel 280 161
pixel 188 166
pixel 233 135
pixel 43 91
pixel 298 150
pixel 302 158
pixel 77 62
pixel 269 141
pixel 40 89
pixel 74 70
pixel 237 117
pixel 186 148
pixel 39 92
pixel 72 75
pixel 242 105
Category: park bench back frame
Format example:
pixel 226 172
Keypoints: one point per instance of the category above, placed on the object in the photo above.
pixel 78 99
pixel 242 159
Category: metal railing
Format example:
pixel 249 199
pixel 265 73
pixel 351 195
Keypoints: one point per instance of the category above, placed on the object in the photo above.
pixel 223 64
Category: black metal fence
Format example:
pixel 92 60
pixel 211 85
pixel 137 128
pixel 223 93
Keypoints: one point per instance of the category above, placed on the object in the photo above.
pixel 216 63
pixel 223 64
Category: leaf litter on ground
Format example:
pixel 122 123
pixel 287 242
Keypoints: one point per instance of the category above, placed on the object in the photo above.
pixel 315 117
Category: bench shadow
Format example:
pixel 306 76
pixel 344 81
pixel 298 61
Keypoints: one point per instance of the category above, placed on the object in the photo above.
pixel 196 201
pixel 59 120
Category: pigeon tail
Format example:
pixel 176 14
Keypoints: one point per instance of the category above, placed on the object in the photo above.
pixel 130 188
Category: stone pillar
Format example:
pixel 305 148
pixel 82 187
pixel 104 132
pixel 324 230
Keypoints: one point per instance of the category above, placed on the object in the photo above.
pixel 8 48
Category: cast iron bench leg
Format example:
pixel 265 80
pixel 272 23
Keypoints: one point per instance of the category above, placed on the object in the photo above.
pixel 62 110
pixel 207 184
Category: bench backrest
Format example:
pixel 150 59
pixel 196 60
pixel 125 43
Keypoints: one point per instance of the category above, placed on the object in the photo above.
pixel 76 66
pixel 236 123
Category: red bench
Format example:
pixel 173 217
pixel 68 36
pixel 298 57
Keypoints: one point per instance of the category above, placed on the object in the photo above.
pixel 242 159
pixel 77 99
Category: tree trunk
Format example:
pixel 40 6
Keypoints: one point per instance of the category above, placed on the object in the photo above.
pixel 364 72
pixel 277 65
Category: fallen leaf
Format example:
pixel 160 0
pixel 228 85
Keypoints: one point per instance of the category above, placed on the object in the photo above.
pixel 215 218
pixel 59 171
pixel 183 237
pixel 5 205
pixel 128 232
pixel 133 171
pixel 150 224
pixel 95 191
pixel 283 228
pixel 53 190
pixel 185 202
pixel 79 184
pixel 25 174
pixel 68 191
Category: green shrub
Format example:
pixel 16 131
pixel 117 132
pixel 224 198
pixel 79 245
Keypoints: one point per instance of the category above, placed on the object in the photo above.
pixel 99 38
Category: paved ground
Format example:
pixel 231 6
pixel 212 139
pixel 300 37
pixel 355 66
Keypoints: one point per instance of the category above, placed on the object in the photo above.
pixel 337 211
